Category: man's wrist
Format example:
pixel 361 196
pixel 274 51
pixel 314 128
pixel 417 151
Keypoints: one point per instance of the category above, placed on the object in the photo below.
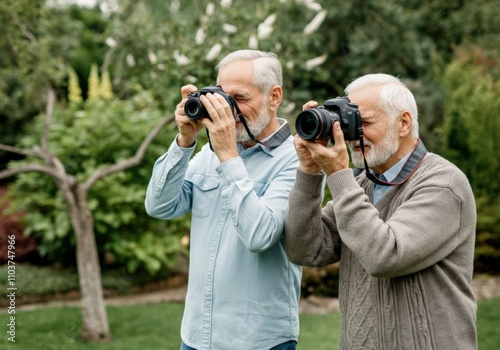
pixel 184 142
pixel 315 170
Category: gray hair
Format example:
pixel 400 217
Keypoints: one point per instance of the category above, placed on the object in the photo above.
pixel 395 97
pixel 267 70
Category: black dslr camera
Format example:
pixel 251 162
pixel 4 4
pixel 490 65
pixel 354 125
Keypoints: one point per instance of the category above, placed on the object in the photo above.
pixel 316 123
pixel 195 109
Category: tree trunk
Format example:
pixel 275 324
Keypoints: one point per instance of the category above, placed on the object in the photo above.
pixel 95 319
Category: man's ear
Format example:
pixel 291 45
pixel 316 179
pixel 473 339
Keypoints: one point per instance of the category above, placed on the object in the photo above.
pixel 405 124
pixel 275 97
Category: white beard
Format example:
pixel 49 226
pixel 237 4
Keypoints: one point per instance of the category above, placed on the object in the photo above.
pixel 255 126
pixel 378 154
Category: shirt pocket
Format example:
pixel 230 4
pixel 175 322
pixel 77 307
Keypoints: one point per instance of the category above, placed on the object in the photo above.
pixel 205 189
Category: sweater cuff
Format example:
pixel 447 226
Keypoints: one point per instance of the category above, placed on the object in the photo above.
pixel 341 181
pixel 309 183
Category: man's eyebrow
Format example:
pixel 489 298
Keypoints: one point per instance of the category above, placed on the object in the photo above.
pixel 367 116
pixel 239 94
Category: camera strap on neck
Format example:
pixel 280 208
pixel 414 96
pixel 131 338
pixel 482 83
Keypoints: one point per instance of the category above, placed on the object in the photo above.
pixel 277 139
pixel 417 155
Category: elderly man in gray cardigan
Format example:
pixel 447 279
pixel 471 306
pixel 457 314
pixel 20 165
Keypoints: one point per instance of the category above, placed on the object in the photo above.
pixel 403 229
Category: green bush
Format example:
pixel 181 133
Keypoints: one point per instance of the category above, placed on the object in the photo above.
pixel 86 138
pixel 38 282
pixel 322 281
pixel 487 253
pixel 470 137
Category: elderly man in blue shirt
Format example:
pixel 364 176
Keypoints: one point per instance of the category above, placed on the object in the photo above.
pixel 243 292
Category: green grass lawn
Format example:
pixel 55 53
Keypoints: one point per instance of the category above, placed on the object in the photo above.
pixel 156 327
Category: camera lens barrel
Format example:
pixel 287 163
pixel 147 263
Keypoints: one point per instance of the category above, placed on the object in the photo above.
pixel 315 124
pixel 195 109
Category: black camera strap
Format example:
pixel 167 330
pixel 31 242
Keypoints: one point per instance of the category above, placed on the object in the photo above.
pixel 417 155
pixel 276 140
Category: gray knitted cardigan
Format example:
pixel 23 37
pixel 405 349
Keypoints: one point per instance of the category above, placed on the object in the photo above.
pixel 405 263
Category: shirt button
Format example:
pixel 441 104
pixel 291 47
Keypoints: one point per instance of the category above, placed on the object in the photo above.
pixel 221 219
pixel 212 249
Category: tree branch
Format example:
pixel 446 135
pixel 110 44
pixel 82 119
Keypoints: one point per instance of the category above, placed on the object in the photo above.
pixel 107 58
pixel 23 28
pixel 16 150
pixel 51 97
pixel 27 168
pixel 127 163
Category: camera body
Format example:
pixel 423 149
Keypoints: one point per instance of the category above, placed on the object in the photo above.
pixel 195 109
pixel 316 123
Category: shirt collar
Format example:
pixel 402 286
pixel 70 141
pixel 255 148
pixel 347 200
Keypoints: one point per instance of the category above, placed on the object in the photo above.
pixel 272 141
pixel 391 173
pixel 279 135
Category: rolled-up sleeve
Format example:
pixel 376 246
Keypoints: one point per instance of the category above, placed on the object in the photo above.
pixel 256 208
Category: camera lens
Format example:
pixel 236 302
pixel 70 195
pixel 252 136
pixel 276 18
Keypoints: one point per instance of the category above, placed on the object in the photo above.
pixel 194 109
pixel 309 124
pixel 315 124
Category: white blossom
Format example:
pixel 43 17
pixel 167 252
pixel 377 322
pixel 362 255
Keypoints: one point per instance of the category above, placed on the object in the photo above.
pixel 270 19
pixel 108 7
pixel 110 42
pixel 312 26
pixel 161 67
pixel 314 6
pixel 264 30
pixel 214 52
pixel 200 36
pixel 181 60
pixel 152 57
pixel 226 3
pixel 130 60
pixel 191 79
pixel 314 62
pixel 210 9
pixel 288 108
pixel 253 42
pixel 229 28
pixel 174 6
pixel 290 64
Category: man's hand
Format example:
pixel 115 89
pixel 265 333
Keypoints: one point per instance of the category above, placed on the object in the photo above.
pixel 188 128
pixel 221 126
pixel 328 159
pixel 307 163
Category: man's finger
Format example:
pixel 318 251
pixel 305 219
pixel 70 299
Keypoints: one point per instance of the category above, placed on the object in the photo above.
pixel 224 109
pixel 210 103
pixel 309 104
pixel 187 89
pixel 338 135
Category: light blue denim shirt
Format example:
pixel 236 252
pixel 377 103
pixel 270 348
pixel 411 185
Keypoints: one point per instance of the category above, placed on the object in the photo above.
pixel 379 191
pixel 243 292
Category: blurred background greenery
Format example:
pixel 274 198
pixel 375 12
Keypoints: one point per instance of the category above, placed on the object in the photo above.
pixel 117 68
